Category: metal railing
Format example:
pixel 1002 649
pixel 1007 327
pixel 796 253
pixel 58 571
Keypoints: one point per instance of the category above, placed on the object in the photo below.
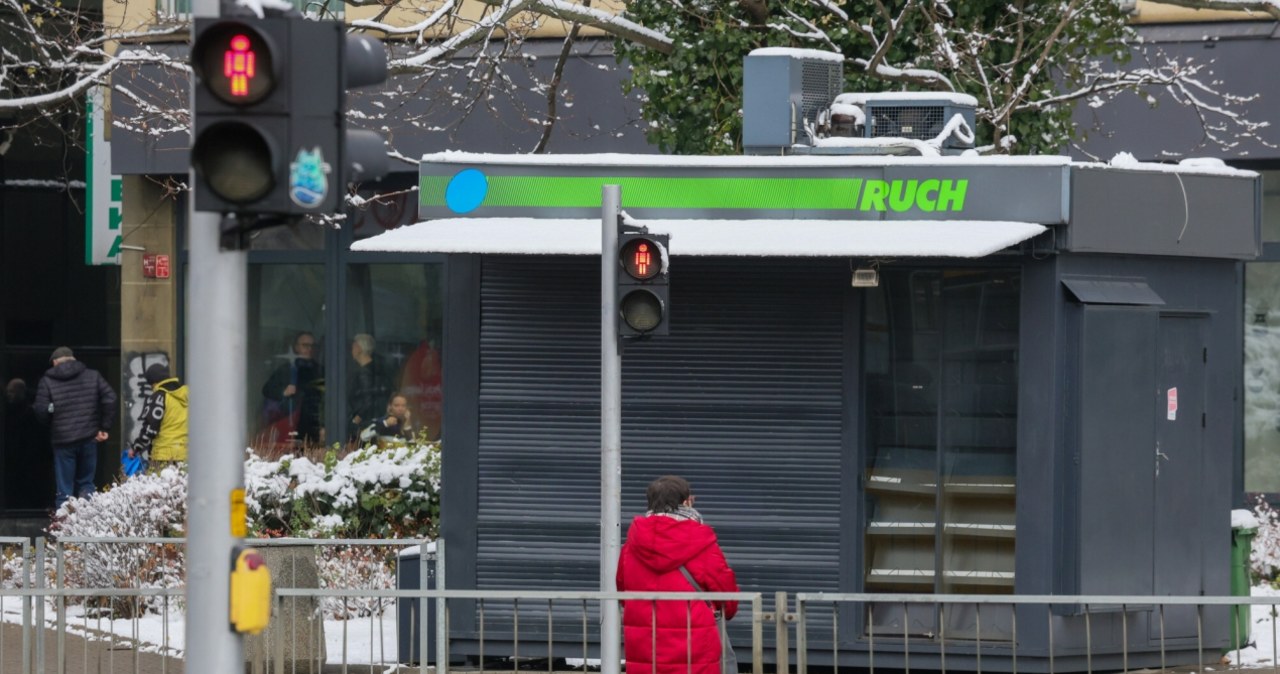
pixel 518 629
pixel 868 642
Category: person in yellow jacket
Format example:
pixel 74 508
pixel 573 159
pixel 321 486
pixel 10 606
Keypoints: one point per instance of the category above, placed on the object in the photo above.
pixel 163 438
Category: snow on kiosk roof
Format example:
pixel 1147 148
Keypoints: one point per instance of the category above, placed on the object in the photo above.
pixel 821 206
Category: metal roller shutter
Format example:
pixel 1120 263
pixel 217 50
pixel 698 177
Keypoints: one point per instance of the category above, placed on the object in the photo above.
pixel 744 399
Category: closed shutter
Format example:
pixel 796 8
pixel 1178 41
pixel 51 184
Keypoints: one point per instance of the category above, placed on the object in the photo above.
pixel 744 399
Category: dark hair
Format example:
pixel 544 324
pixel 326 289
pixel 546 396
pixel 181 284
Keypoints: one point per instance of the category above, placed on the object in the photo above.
pixel 157 373
pixel 667 493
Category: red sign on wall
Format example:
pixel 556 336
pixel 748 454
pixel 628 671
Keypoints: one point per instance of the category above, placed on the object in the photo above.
pixel 155 266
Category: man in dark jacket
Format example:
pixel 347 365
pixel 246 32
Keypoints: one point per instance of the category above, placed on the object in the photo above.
pixel 368 385
pixel 79 405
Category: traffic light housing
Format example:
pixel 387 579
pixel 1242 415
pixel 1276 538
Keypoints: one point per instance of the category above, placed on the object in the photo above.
pixel 270 134
pixel 643 284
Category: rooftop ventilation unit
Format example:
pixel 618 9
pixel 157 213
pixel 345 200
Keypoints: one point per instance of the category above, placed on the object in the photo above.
pixel 938 118
pixel 792 105
pixel 784 91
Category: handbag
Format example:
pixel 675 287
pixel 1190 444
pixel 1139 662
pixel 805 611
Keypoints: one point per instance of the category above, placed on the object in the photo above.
pixel 728 658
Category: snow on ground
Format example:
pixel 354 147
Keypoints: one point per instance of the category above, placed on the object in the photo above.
pixel 367 640
pixel 1262 633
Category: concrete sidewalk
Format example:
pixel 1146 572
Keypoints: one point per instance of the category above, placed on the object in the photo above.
pixel 118 657
pixel 82 655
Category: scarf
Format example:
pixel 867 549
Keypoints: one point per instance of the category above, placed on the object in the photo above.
pixel 683 512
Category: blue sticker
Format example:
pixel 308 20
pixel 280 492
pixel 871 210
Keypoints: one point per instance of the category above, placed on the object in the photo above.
pixel 309 178
pixel 466 191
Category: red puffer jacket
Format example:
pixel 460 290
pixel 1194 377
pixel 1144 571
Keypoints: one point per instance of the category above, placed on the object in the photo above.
pixel 687 639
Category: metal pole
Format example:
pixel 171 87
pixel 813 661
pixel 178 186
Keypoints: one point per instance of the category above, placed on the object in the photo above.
pixel 217 329
pixel 442 627
pixel 610 430
pixel 216 340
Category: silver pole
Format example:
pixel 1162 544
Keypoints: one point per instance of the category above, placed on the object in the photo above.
pixel 442 627
pixel 610 430
pixel 217 329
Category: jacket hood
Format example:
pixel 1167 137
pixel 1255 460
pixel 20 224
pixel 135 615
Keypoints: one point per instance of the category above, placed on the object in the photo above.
pixel 67 370
pixel 665 543
pixel 173 387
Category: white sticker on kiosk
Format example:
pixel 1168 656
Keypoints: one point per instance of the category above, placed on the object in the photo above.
pixel 1173 404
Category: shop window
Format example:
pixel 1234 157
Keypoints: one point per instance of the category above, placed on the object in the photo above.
pixel 1262 377
pixel 285 355
pixel 393 323
pixel 941 411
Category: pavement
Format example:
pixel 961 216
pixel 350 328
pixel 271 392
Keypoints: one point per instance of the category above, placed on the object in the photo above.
pixel 82 655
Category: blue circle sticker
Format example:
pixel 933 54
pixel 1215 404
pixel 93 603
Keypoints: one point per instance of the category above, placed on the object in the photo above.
pixel 466 191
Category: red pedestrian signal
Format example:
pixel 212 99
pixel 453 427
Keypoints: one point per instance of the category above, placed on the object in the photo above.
pixel 638 260
pixel 642 284
pixel 235 62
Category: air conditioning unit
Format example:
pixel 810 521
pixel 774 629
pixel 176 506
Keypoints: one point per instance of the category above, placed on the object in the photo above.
pixel 784 91
pixel 923 116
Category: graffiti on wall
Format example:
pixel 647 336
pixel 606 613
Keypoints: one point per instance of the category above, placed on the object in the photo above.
pixel 136 388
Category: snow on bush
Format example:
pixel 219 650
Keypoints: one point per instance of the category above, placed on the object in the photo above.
pixel 355 567
pixel 1264 559
pixel 391 492
pixel 147 505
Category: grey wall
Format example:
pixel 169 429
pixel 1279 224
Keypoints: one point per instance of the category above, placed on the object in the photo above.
pixel 593 115
pixel 1237 54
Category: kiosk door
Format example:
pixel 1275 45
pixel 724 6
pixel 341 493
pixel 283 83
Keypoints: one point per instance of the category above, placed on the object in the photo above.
pixel 1179 454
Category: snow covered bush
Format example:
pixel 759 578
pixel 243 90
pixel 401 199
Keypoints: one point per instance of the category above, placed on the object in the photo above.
pixel 363 567
pixel 1264 559
pixel 147 505
pixel 391 492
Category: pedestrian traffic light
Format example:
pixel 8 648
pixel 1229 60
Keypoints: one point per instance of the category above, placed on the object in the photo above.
pixel 643 284
pixel 270 133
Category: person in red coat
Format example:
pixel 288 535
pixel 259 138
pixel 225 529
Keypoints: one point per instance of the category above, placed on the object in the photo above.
pixel 682 638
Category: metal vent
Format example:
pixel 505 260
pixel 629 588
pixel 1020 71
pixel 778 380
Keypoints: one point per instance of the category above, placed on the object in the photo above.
pixel 820 82
pixel 908 121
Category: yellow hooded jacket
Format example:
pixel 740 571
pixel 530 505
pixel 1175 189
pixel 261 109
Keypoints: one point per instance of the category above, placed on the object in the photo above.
pixel 164 419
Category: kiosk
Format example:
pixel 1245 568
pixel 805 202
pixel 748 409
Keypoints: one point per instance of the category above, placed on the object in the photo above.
pixel 1040 395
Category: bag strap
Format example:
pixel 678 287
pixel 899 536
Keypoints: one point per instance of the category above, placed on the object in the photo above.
pixel 696 587
pixel 689 576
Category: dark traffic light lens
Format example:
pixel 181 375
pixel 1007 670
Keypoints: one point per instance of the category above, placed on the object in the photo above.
pixel 235 63
pixel 641 259
pixel 235 162
pixel 641 310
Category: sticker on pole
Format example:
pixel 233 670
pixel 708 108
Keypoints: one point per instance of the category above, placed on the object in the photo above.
pixel 1173 404
pixel 239 516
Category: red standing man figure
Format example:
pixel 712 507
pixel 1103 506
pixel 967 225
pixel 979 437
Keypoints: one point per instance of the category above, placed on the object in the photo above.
pixel 238 65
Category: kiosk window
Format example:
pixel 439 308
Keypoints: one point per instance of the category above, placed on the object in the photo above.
pixel 1262 377
pixel 941 409
pixel 286 364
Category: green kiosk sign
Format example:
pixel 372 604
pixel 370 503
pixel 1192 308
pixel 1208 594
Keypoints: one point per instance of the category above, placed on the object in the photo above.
pixel 486 186
pixel 834 194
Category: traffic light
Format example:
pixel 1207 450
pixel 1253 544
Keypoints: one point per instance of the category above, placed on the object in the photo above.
pixel 643 284
pixel 270 133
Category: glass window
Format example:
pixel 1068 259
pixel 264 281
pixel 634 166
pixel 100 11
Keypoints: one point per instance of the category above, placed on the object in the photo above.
pixel 1262 377
pixel 301 235
pixel 286 369
pixel 942 409
pixel 393 323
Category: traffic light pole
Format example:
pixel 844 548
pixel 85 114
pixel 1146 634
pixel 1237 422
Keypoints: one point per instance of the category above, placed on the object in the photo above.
pixel 610 430
pixel 216 364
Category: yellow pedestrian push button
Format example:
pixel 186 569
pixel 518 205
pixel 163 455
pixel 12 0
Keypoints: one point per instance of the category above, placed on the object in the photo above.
pixel 250 591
